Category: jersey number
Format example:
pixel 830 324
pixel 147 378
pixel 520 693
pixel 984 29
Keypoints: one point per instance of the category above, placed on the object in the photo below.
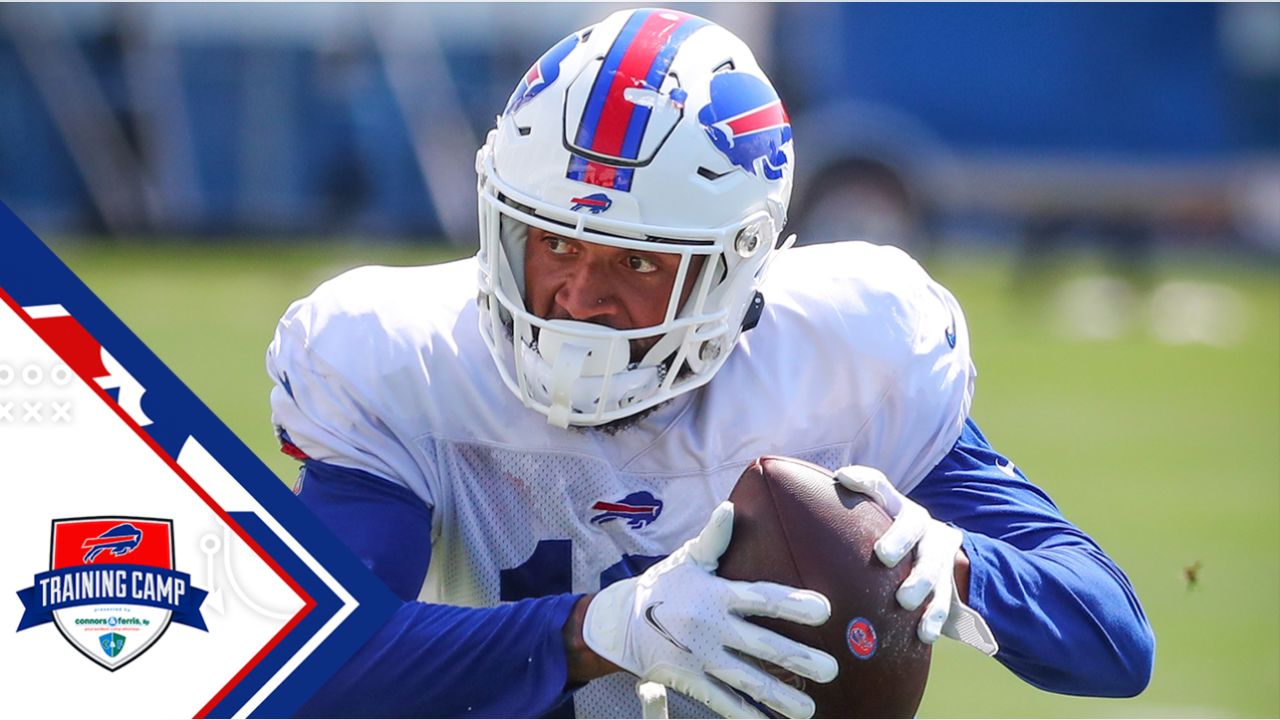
pixel 549 571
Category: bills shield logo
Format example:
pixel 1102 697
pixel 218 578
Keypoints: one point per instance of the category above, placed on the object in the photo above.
pixel 746 122
pixel 543 73
pixel 111 589
pixel 595 203
pixel 637 510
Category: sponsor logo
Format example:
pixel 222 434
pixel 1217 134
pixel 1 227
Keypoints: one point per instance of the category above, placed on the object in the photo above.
pixel 652 620
pixel 112 644
pixel 746 122
pixel 861 638
pixel 112 589
pixel 637 509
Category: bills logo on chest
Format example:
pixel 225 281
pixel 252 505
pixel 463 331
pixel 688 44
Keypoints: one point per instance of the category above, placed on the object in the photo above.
pixel 112 589
pixel 635 510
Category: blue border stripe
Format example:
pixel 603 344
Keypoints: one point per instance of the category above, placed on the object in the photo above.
pixel 327 604
pixel 604 79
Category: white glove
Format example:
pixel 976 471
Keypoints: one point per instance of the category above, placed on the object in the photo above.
pixel 936 544
pixel 676 623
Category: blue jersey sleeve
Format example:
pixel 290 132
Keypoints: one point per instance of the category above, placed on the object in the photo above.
pixel 1067 619
pixel 430 660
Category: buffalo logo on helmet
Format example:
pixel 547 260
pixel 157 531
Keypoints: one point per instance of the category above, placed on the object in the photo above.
pixel 746 122
pixel 594 203
pixel 637 510
pixel 543 73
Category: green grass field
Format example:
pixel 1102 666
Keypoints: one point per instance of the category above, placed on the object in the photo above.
pixel 1168 455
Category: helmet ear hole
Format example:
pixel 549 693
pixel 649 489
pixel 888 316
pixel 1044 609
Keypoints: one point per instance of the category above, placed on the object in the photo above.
pixel 747 242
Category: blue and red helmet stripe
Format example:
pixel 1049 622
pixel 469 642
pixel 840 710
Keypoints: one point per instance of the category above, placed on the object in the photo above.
pixel 595 173
pixel 611 125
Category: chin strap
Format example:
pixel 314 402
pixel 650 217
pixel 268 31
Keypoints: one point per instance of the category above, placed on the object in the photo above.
pixel 754 311
pixel 756 308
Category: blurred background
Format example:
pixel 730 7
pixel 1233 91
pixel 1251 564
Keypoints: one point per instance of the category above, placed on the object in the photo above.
pixel 1098 184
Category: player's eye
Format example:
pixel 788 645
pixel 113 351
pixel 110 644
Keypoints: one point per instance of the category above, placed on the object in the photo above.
pixel 558 246
pixel 641 264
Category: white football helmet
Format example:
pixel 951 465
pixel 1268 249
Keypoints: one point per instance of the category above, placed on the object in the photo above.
pixel 654 130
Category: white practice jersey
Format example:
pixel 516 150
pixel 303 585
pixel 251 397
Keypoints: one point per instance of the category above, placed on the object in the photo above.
pixel 859 357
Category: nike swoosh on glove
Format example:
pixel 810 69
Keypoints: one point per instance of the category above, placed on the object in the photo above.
pixel 681 625
pixel 936 544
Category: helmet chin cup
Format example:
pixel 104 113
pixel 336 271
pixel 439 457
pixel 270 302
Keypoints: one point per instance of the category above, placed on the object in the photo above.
pixel 577 375
pixel 575 353
pixel 601 355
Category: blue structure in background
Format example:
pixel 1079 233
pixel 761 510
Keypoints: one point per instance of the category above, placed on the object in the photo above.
pixel 304 136
pixel 1126 79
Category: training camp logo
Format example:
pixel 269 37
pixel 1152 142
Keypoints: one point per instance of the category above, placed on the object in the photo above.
pixel 112 589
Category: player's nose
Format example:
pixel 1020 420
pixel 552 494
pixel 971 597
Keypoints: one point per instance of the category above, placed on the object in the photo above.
pixel 588 296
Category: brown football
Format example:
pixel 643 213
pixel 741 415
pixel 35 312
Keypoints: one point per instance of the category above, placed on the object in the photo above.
pixel 794 524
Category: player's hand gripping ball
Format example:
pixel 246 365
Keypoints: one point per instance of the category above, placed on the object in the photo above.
pixel 934 546
pixel 795 525
pixel 681 625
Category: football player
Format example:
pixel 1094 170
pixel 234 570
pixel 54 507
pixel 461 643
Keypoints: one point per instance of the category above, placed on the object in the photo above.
pixel 539 470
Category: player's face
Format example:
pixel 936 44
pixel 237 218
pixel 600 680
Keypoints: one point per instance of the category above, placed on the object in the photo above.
pixel 622 289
